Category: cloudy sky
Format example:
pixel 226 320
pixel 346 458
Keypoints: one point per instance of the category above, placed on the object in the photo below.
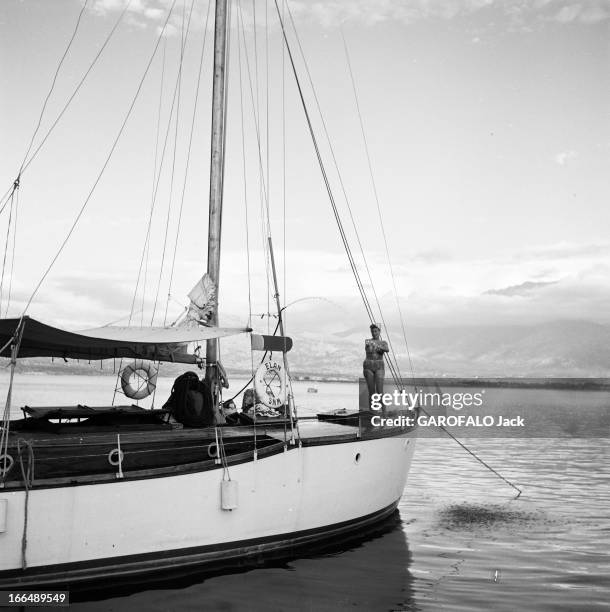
pixel 488 131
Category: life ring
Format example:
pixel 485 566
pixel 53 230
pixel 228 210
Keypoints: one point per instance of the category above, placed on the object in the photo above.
pixel 140 391
pixel 213 451
pixel 270 384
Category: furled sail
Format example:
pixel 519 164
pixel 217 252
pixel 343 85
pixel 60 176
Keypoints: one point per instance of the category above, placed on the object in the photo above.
pixel 203 300
pixel 154 343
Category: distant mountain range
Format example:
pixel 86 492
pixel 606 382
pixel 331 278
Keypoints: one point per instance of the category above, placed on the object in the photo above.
pixel 559 348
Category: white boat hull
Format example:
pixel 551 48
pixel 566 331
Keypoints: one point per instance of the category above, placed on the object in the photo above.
pixel 92 531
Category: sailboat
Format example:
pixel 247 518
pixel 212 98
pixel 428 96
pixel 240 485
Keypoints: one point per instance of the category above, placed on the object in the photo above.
pixel 97 493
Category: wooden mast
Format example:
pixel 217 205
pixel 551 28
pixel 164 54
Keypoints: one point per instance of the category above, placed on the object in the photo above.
pixel 217 171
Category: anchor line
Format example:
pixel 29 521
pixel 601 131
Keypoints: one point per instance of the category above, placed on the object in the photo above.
pixel 508 482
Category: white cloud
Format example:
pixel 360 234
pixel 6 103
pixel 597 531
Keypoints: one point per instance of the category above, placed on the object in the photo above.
pixel 588 13
pixel 563 157
pixel 154 13
pixel 595 13
pixel 568 13
pixel 530 286
pixel 332 13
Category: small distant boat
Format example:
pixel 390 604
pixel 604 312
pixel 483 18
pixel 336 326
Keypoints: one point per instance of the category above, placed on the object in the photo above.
pixel 342 417
pixel 312 389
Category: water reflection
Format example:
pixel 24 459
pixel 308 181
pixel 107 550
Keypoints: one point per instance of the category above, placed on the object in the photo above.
pixel 370 572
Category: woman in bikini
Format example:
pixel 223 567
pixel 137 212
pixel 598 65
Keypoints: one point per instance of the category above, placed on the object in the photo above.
pixel 373 366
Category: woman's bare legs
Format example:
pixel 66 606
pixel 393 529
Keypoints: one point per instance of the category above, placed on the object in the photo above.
pixel 369 375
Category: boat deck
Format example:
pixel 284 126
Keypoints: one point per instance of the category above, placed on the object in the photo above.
pixel 80 444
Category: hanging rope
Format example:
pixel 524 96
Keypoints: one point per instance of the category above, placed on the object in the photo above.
pixel 222 454
pixel 14 343
pixel 27 474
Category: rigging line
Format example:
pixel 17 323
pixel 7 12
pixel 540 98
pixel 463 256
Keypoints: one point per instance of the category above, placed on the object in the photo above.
pixel 323 170
pixel 267 96
pixel 369 310
pixel 154 201
pixel 183 41
pixel 256 65
pixel 6 243
pixel 26 165
pixel 243 152
pixel 284 160
pixel 106 162
pixel 226 90
pixel 341 182
pixel 374 185
pixel 256 100
pixel 46 100
pixel 476 456
pixel 6 417
pixel 188 154
pixel 277 325
pixel 264 187
pixel 10 283
pixel 264 193
pixel 267 138
pixel 392 366
pixel 5 198
pixel 154 181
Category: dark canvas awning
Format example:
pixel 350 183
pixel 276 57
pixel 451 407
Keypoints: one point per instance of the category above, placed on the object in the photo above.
pixel 154 343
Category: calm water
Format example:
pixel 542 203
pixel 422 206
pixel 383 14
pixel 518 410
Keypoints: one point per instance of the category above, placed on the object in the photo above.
pixel 462 541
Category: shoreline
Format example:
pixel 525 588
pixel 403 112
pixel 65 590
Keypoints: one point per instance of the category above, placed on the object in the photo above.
pixel 557 383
